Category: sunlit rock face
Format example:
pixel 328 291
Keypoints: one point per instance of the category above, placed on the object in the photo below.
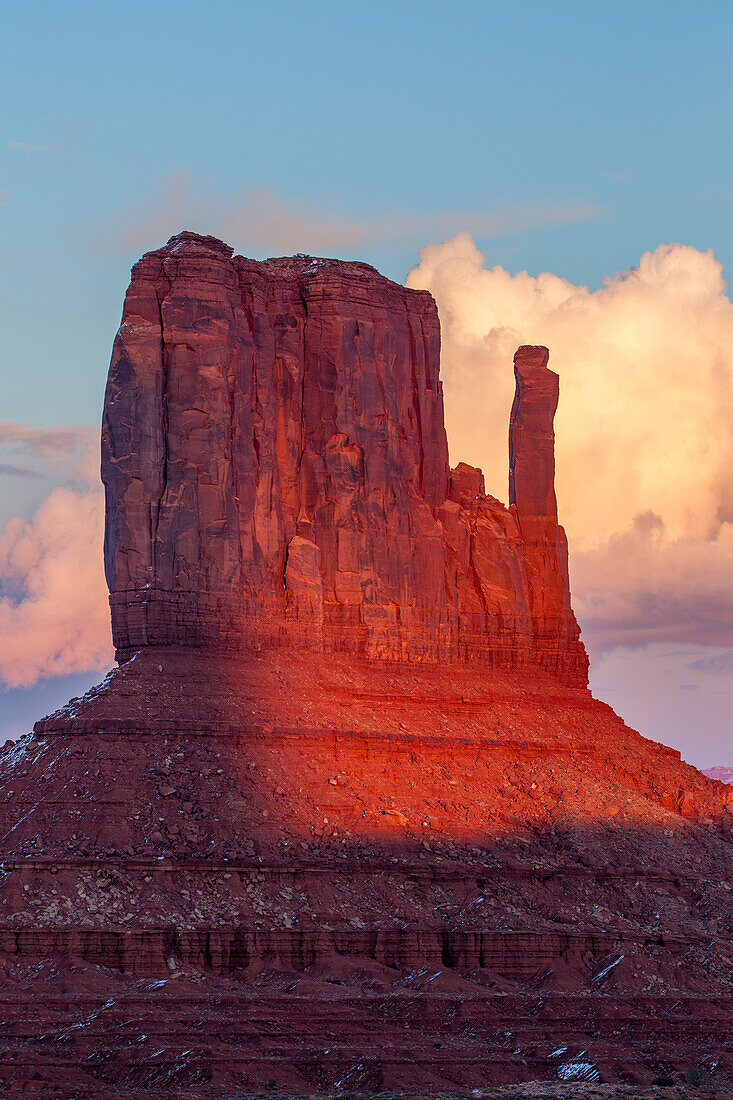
pixel 276 472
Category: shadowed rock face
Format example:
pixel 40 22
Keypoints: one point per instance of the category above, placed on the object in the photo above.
pixel 276 470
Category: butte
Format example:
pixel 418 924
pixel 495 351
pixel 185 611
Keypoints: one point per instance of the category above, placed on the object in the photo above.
pixel 346 817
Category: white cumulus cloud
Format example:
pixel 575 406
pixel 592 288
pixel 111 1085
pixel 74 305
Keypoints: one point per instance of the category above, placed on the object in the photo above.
pixel 644 426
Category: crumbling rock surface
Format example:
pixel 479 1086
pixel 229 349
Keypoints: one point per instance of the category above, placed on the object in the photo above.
pixel 276 466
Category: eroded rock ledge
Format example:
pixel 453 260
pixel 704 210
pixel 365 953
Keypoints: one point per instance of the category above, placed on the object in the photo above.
pixel 276 471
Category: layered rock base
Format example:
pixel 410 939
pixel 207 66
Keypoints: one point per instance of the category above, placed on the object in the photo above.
pixel 339 876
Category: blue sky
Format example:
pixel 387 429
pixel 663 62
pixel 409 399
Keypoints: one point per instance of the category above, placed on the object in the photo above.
pixel 432 109
pixel 565 137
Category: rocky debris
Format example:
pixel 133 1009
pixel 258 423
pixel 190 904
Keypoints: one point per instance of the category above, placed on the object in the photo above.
pixel 276 470
pixel 281 760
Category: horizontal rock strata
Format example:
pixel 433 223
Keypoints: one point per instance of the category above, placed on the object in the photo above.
pixel 216 868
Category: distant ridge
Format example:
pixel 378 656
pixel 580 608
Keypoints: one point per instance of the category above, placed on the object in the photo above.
pixel 720 772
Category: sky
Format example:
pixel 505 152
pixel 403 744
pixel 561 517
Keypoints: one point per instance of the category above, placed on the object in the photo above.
pixel 552 173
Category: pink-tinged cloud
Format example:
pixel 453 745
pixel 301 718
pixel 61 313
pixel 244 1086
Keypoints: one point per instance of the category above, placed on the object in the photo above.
pixel 34 459
pixel 49 442
pixel 70 450
pixel 262 222
pixel 54 617
pixel 641 586
pixel 644 427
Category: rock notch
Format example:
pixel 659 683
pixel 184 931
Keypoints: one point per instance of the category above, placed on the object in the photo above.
pixel 276 469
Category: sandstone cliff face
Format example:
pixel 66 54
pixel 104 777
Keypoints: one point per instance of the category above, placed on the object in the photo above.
pixel 276 472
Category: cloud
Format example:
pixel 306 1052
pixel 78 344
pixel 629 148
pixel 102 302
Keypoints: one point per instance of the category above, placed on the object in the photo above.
pixel 54 617
pixel 8 469
pixel 669 692
pixel 642 586
pixel 60 622
pixel 259 221
pixel 29 147
pixel 69 452
pixel 49 442
pixel 644 428
pixel 617 177
pixel 720 664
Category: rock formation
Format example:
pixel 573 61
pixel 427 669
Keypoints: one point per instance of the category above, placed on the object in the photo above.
pixel 346 818
pixel 720 772
pixel 276 467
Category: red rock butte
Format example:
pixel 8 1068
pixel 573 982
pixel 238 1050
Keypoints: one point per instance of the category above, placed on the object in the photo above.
pixel 276 468
pixel 346 817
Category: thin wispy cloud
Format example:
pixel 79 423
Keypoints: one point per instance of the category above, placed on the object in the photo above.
pixel 260 221
pixel 617 177
pixel 719 665
pixel 29 147
pixel 66 453
pixel 49 442
pixel 8 469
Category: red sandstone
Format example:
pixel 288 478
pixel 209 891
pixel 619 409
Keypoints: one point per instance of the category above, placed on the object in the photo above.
pixel 276 467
